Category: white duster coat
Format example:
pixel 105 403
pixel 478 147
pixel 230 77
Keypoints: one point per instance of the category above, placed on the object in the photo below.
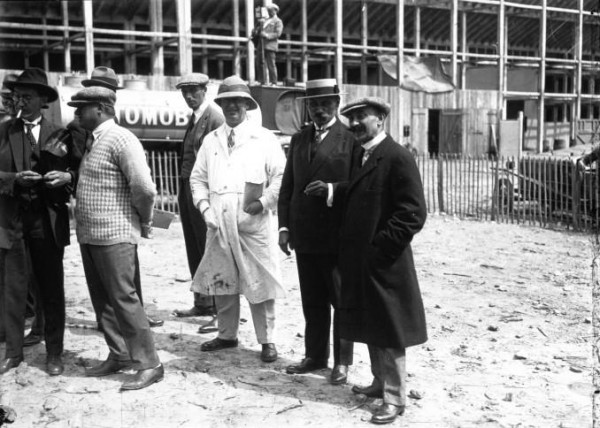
pixel 241 255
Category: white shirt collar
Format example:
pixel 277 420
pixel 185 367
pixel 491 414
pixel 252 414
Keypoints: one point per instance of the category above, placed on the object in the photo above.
pixel 239 129
pixel 200 110
pixel 101 129
pixel 35 122
pixel 374 141
pixel 327 125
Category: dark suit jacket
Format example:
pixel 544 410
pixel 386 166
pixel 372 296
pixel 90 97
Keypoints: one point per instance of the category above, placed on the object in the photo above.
pixel 383 208
pixel 57 152
pixel 312 224
pixel 210 120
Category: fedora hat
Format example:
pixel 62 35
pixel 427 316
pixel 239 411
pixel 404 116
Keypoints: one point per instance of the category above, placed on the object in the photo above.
pixel 321 88
pixel 103 76
pixel 93 95
pixel 34 78
pixel 374 102
pixel 235 87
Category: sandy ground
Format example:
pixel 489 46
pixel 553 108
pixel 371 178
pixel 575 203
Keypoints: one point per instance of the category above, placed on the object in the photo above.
pixel 509 316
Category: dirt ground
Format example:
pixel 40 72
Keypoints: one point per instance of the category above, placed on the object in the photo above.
pixel 509 318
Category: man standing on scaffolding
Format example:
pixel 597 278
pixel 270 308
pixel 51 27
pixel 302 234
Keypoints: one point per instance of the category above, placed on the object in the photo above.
pixel 266 36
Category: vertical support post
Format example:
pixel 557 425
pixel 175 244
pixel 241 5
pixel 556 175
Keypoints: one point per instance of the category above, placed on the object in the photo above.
pixel 250 60
pixel 339 53
pixel 400 64
pixel 67 44
pixel 364 40
pixel 454 41
pixel 417 31
pixel 45 44
pixel 576 113
pixel 501 60
pixel 288 57
pixel 157 49
pixel 88 25
pixel 542 76
pixel 237 66
pixel 204 57
pixel 304 37
pixel 465 49
pixel 184 26
pixel 130 62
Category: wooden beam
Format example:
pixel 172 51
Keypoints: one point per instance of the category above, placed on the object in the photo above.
pixel 400 63
pixel 417 31
pixel 235 26
pixel 184 26
pixel 67 43
pixel 542 78
pixel 304 38
pixel 364 39
pixel 501 46
pixel 339 52
pixel 454 41
pixel 157 55
pixel 88 25
pixel 250 62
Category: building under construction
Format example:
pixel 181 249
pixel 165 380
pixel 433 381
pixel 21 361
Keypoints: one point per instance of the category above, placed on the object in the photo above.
pixel 515 75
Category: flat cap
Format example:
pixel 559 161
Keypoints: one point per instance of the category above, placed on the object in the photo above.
pixel 193 79
pixel 375 102
pixel 93 95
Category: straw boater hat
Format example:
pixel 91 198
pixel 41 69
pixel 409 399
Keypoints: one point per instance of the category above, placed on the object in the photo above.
pixel 93 95
pixel 11 77
pixel 34 78
pixel 193 79
pixel 103 76
pixel 377 103
pixel 321 88
pixel 235 87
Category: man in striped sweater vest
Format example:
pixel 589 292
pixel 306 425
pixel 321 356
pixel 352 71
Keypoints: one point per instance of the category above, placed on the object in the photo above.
pixel 115 197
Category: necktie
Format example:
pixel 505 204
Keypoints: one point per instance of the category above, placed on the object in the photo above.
pixel 314 145
pixel 190 126
pixel 365 155
pixel 230 140
pixel 30 137
pixel 89 142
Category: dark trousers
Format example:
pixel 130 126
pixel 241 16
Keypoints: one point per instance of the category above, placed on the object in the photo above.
pixel 13 297
pixel 319 287
pixel 194 235
pixel 388 366
pixel 271 66
pixel 47 265
pixel 34 302
pixel 110 274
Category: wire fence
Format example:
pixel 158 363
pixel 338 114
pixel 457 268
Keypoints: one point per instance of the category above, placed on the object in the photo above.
pixel 540 191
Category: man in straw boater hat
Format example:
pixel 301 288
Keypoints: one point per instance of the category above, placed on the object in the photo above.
pixel 383 208
pixel 39 168
pixel 235 183
pixel 205 118
pixel 115 199
pixel 319 157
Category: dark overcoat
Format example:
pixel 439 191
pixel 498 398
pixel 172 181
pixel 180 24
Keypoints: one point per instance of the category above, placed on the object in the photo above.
pixel 57 152
pixel 313 226
pixel 383 208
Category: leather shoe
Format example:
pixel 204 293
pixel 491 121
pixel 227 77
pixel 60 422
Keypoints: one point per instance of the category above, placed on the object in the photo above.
pixel 195 311
pixel 218 344
pixel 339 374
pixel 269 353
pixel 10 363
pixel 144 378
pixel 106 368
pixel 31 339
pixel 54 365
pixel 386 413
pixel 154 322
pixel 370 391
pixel 306 365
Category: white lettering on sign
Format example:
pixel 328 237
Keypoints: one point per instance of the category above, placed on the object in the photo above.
pixel 181 118
pixel 166 117
pixel 149 116
pixel 132 115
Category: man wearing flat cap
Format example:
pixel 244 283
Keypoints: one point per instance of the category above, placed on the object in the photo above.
pixel 319 156
pixel 38 170
pixel 115 198
pixel 205 118
pixel 383 208
pixel 235 183
pixel 267 34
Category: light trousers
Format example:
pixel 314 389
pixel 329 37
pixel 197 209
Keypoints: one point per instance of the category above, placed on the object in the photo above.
pixel 228 317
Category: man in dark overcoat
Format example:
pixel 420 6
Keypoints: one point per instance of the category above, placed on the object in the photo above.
pixel 40 173
pixel 321 154
pixel 383 208
pixel 205 118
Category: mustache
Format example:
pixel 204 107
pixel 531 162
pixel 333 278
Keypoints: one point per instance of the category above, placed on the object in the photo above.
pixel 357 129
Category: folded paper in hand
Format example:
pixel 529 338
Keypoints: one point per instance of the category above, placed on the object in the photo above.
pixel 162 219
pixel 252 192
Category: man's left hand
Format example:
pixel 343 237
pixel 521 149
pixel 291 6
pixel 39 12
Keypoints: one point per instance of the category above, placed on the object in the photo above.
pixel 254 208
pixel 316 188
pixel 56 178
pixel 147 231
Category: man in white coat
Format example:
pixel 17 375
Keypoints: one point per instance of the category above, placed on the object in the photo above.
pixel 235 184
